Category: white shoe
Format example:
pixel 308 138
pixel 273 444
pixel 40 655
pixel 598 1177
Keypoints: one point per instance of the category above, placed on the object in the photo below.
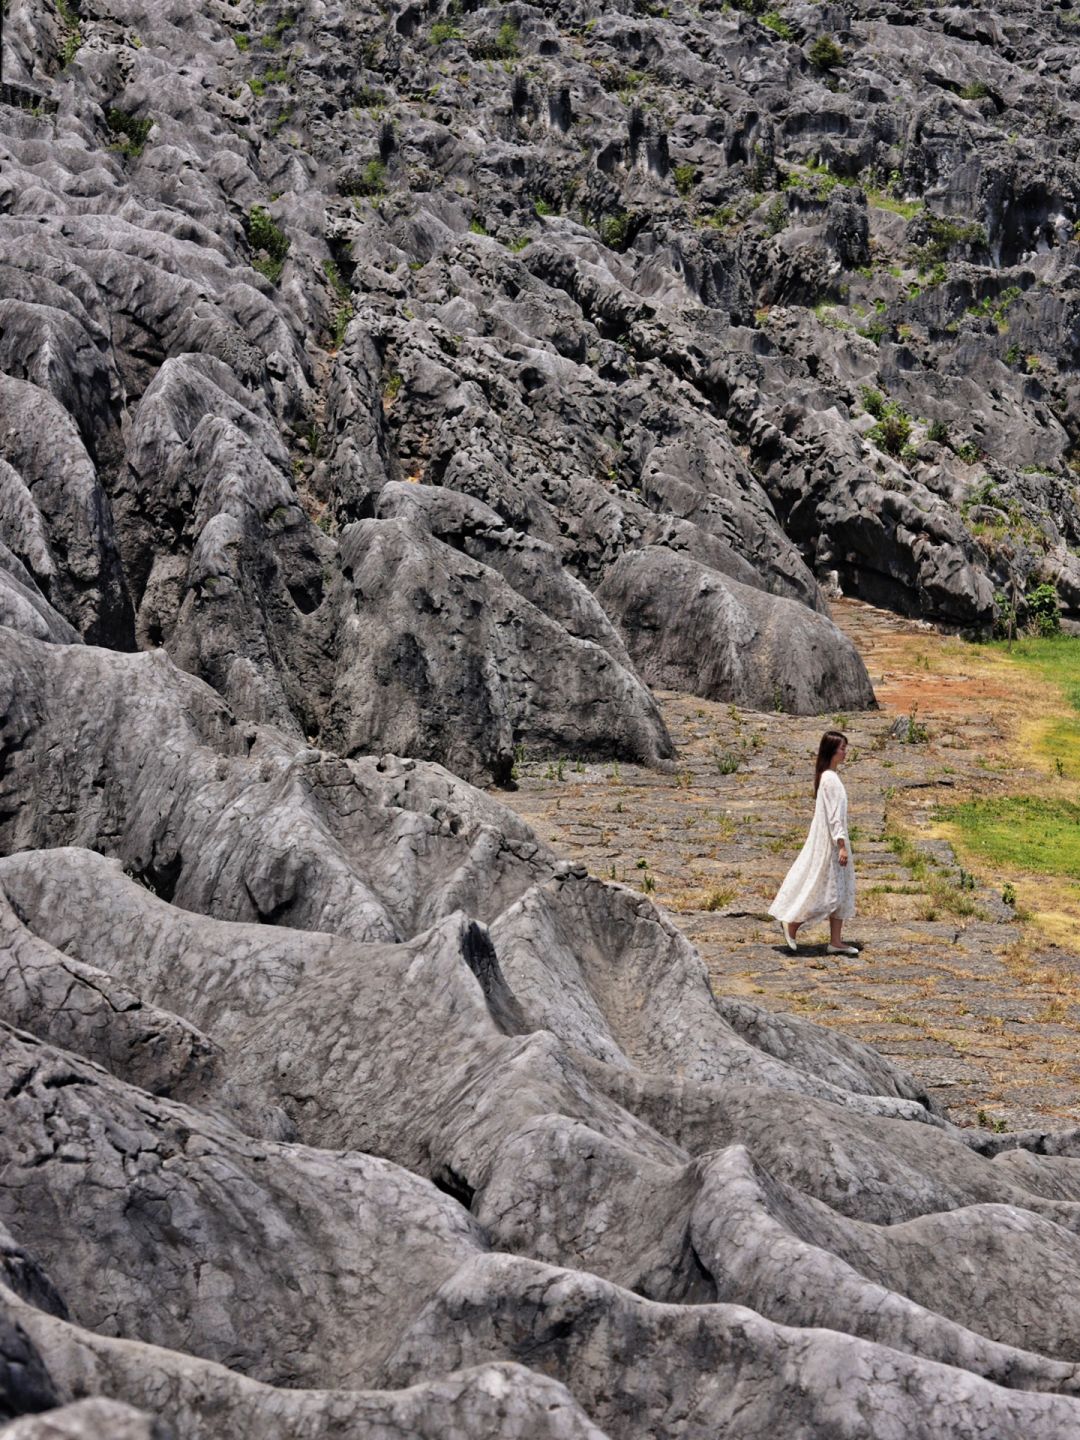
pixel 789 938
pixel 841 950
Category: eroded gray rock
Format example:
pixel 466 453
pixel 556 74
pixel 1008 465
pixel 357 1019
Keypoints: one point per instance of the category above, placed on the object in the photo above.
pixel 691 628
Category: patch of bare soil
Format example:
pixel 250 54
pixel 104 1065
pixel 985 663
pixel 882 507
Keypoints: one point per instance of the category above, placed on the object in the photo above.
pixel 975 1002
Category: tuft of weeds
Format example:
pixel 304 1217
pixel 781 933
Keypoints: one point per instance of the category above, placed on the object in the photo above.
pixel 268 242
pixel 130 131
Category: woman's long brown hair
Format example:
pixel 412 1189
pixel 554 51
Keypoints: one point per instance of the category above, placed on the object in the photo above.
pixel 830 743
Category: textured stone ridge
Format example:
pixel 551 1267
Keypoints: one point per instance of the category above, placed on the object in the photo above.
pixel 389 391
pixel 361 1110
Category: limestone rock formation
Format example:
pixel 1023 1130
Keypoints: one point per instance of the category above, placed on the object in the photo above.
pixel 387 392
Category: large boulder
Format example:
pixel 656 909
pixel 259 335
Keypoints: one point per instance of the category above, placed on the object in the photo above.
pixel 690 628
pixel 439 656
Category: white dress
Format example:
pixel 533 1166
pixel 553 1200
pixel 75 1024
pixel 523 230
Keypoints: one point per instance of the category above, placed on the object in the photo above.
pixel 817 885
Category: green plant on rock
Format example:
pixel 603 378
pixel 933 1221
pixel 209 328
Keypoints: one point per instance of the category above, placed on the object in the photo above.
pixel 131 131
pixel 873 401
pixel 893 430
pixel 614 230
pixel 506 41
pixel 938 432
pixel 684 176
pixel 946 233
pixel 774 21
pixel 443 31
pixel 371 179
pixel 391 390
pixel 825 54
pixel 72 38
pixel 268 242
pixel 342 317
pixel 776 216
pixel 336 280
pixel 995 307
pixel 974 90
pixel 915 732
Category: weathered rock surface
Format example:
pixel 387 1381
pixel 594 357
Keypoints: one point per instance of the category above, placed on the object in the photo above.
pixel 488 1127
pixel 691 628
pixel 439 657
pixel 421 384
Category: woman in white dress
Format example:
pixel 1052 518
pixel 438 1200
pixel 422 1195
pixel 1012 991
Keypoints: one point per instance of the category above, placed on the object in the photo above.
pixel 821 883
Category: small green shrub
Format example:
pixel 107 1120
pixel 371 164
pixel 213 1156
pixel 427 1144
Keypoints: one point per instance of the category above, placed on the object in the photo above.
pixel 131 131
pixel 391 390
pixel 684 177
pixel 825 54
pixel 968 452
pixel 72 33
pixel 337 282
pixel 893 430
pixel 774 21
pixel 240 40
pixel 506 41
pixel 975 90
pixel 443 31
pixel 614 230
pixel 873 401
pixel 477 227
pixel 776 216
pixel 342 316
pixel 542 206
pixel 944 235
pixel 915 732
pixel 370 181
pixel 1044 609
pixel 719 899
pixel 264 236
pixel 938 432
pixel 728 761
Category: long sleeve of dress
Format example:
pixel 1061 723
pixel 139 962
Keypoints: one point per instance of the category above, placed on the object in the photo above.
pixel 834 801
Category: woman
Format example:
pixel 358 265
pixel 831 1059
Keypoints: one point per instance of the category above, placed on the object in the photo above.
pixel 822 881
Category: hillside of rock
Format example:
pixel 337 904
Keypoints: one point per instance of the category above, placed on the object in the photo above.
pixel 389 393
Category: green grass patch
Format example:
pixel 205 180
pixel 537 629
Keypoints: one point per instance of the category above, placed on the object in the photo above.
pixel 1055 658
pixel 884 201
pixel 1060 743
pixel 1021 832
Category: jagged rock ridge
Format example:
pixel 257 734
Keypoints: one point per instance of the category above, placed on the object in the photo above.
pixel 433 383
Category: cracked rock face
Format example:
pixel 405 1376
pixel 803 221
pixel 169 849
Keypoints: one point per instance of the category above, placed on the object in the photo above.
pixel 387 393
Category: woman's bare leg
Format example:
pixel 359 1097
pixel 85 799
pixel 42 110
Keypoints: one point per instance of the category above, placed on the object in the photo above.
pixel 836 929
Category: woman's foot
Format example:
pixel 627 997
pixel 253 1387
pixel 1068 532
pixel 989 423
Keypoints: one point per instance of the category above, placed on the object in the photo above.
pixel 788 937
pixel 841 950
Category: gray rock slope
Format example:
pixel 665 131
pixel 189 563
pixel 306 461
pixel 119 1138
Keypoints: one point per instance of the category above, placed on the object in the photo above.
pixel 227 350
pixel 335 1104
pixel 426 383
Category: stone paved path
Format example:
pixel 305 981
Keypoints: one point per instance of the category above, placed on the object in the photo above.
pixel 980 1006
